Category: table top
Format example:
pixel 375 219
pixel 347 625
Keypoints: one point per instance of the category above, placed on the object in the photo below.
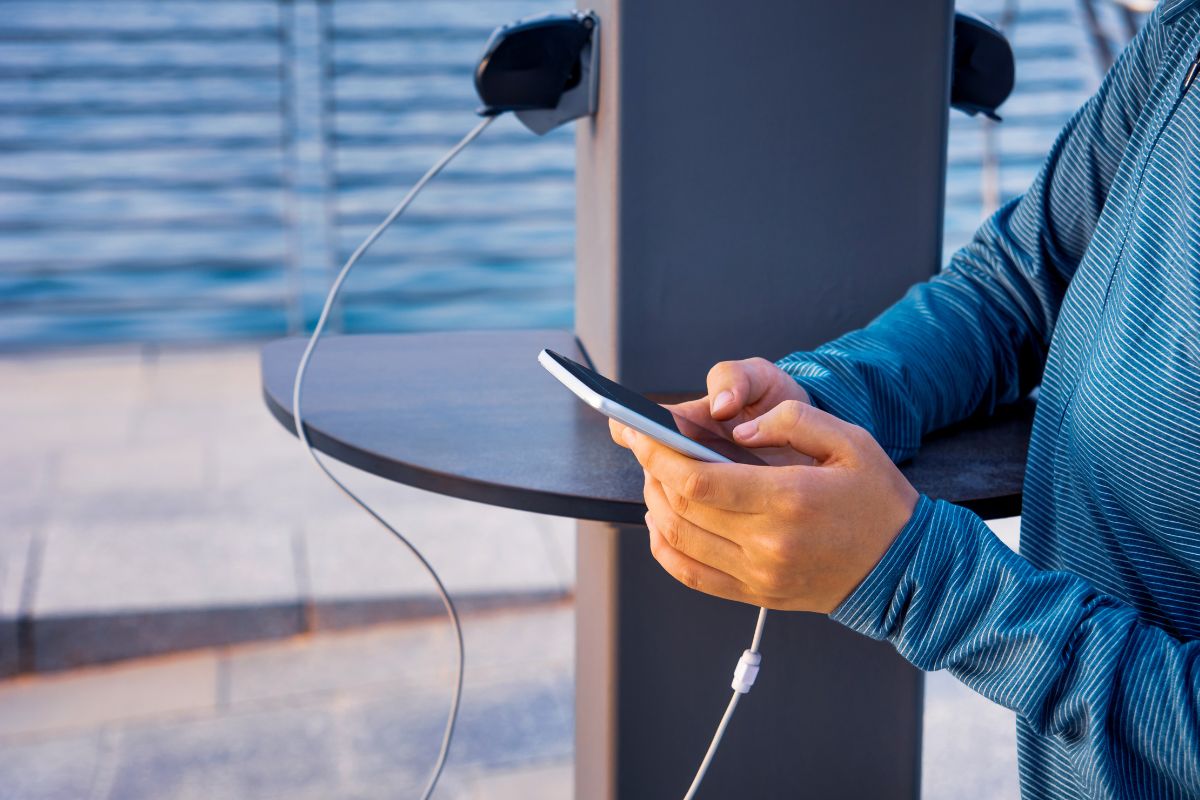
pixel 473 415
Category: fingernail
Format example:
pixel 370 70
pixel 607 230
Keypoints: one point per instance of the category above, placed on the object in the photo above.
pixel 629 436
pixel 746 430
pixel 721 400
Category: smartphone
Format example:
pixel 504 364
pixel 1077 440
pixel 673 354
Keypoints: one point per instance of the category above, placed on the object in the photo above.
pixel 630 408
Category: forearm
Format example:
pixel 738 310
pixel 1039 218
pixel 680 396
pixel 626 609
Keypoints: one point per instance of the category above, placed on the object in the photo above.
pixel 1075 663
pixel 971 338
pixel 976 335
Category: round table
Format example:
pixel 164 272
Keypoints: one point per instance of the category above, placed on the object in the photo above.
pixel 473 415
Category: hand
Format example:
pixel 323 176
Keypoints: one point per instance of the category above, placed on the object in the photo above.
pixel 739 391
pixel 792 537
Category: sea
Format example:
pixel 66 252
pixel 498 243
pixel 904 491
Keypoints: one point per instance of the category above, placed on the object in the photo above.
pixel 190 171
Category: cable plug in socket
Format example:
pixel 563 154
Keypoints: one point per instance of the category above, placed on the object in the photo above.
pixel 544 69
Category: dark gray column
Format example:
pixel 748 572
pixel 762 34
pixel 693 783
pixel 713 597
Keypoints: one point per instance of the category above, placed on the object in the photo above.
pixel 832 715
pixel 761 177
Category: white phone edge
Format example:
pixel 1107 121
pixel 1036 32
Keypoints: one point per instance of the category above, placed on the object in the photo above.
pixel 673 440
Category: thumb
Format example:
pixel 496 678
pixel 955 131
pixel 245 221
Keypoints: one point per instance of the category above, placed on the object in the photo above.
pixel 733 385
pixel 798 425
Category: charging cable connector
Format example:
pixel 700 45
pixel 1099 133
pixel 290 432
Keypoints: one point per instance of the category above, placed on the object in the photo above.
pixel 743 678
pixel 746 671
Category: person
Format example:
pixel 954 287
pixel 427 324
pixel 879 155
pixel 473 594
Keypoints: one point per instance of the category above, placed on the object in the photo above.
pixel 1089 285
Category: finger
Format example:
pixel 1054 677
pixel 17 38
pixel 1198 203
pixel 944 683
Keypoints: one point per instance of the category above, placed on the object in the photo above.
pixel 694 575
pixel 695 410
pixel 727 486
pixel 732 526
pixel 698 412
pixel 802 427
pixel 617 431
pixel 706 546
pixel 733 385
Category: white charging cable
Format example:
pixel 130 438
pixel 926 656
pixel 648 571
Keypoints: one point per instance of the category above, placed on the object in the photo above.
pixel 297 389
pixel 747 667
pixel 743 678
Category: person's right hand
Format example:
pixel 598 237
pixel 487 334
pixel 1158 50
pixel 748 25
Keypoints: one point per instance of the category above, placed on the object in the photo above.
pixel 739 391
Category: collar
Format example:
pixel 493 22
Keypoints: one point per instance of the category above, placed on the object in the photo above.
pixel 1171 9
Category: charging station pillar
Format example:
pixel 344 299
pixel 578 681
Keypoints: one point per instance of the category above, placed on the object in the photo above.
pixel 760 178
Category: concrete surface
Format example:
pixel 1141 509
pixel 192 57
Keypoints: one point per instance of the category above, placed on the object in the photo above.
pixel 357 714
pixel 353 714
pixel 151 504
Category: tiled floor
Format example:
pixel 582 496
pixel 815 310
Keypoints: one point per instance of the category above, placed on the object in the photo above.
pixel 357 714
pixel 354 714
pixel 140 487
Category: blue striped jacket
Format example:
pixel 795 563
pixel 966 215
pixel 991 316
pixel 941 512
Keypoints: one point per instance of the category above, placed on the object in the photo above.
pixel 1088 284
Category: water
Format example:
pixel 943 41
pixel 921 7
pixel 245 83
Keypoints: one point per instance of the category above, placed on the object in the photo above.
pixel 196 169
pixel 191 170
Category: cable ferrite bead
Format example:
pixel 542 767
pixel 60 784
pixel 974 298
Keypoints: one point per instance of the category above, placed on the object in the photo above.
pixel 746 671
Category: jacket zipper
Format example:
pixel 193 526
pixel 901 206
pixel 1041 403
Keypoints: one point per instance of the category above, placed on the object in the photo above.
pixel 1190 77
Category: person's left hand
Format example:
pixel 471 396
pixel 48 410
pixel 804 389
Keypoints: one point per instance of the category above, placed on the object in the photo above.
pixel 798 538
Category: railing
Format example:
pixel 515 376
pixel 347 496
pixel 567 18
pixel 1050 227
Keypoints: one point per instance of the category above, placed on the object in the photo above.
pixel 143 167
pixel 493 241
pixel 197 169
pixel 194 169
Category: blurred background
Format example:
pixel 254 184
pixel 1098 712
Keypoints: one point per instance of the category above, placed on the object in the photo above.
pixel 186 608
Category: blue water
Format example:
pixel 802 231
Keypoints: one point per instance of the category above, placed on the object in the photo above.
pixel 182 171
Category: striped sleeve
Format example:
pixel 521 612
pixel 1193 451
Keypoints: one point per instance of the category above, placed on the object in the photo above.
pixel 1121 695
pixel 976 335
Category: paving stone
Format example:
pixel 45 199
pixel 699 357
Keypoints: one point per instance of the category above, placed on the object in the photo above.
pixel 133 507
pixel 156 467
pixel 68 641
pixel 500 644
pixel 402 657
pixel 280 753
pixel 277 480
pixel 133 485
pixel 354 737
pixel 390 737
pixel 14 561
pixel 537 717
pixel 969 744
pixel 64 402
pixel 1007 530
pixel 558 535
pixel 100 695
pixel 10 658
pixel 55 432
pixel 19 516
pixel 393 658
pixel 206 563
pixel 222 376
pixel 24 475
pixel 548 782
pixel 119 590
pixel 60 769
pixel 477 549
pixel 69 382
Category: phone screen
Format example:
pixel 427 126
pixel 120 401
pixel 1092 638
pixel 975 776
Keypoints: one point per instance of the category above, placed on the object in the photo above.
pixel 712 438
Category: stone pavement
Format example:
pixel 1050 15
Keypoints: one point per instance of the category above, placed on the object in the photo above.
pixel 358 714
pixel 149 503
pixel 351 714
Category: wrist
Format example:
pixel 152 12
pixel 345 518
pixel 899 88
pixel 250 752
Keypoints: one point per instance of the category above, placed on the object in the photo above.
pixel 869 607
